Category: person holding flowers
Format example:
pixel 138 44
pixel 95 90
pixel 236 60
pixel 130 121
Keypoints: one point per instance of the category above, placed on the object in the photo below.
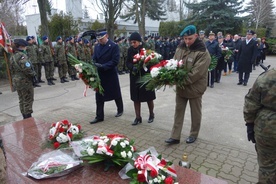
pixel 197 59
pixel 138 93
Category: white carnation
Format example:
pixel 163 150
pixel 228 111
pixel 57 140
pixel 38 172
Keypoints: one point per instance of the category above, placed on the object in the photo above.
pixel 129 154
pixel 92 79
pixel 123 144
pixel 154 72
pixel 127 142
pixel 114 142
pixel 90 151
pixel 61 138
pixel 155 180
pixel 123 154
pixel 52 131
pixel 74 129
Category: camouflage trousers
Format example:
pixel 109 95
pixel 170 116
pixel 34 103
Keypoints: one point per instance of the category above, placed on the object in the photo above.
pixel 37 68
pixel 48 70
pixel 121 64
pixel 62 70
pixel 3 166
pixel 266 153
pixel 26 99
pixel 71 70
pixel 52 69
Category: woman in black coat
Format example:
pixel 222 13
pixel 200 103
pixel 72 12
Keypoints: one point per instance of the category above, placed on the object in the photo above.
pixel 138 93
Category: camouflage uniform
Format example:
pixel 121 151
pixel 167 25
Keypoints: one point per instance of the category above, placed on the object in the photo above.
pixel 38 64
pixel 88 54
pixel 121 62
pixel 125 48
pixel 70 47
pixel 22 77
pixel 81 53
pixel 61 61
pixel 48 61
pixel 32 55
pixel 152 44
pixel 260 110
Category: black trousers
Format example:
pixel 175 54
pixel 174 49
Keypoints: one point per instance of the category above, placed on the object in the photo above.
pixel 100 107
pixel 244 78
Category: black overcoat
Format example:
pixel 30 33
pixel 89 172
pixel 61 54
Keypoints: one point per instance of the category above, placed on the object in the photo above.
pixel 247 56
pixel 137 92
pixel 108 55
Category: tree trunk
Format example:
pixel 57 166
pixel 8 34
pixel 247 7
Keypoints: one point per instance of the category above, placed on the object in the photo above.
pixel 43 17
pixel 110 20
pixel 142 30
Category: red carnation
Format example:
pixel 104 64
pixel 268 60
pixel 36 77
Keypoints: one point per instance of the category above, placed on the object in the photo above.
pixel 169 180
pixel 56 145
pixel 70 135
pixel 54 124
pixel 65 122
pixel 51 137
pixel 79 126
pixel 153 173
pixel 61 129
pixel 141 178
pixel 163 162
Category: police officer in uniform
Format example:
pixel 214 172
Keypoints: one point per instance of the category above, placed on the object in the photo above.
pixel 260 117
pixel 22 77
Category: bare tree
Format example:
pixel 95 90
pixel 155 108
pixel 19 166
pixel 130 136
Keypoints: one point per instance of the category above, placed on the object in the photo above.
pixel 111 10
pixel 261 13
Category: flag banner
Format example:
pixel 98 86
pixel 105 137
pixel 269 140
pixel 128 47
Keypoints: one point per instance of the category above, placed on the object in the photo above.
pixel 5 40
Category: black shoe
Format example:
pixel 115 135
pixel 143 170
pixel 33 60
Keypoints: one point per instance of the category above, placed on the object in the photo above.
pixel 25 116
pixel 240 83
pixel 190 140
pixel 151 118
pixel 0 92
pixel 244 84
pixel 65 80
pixel 96 120
pixel 36 85
pixel 41 81
pixel 61 80
pixel 72 78
pixel 137 121
pixel 49 82
pixel 76 78
pixel 212 86
pixel 52 82
pixel 53 78
pixel 119 114
pixel 172 141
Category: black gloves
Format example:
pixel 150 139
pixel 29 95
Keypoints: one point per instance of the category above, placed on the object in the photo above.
pixel 250 132
pixel 98 65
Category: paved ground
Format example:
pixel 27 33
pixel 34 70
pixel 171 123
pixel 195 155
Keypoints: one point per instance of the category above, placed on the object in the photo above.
pixel 222 149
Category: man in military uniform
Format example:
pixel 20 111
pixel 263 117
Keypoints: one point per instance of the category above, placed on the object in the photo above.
pixel 80 50
pixel 197 59
pixel 260 117
pixel 70 47
pixel 39 63
pixel 61 60
pixel 48 60
pixel 125 47
pixel 22 77
pixel 151 42
pixel 202 36
pixel 121 62
pixel 32 55
pixel 87 51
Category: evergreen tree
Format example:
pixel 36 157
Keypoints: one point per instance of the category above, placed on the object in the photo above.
pixel 138 10
pixel 85 13
pixel 213 15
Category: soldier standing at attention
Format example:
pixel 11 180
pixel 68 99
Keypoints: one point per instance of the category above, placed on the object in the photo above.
pixel 32 55
pixel 70 47
pixel 121 62
pixel 61 60
pixel 22 77
pixel 38 64
pixel 87 51
pixel 80 50
pixel 197 59
pixel 260 117
pixel 47 58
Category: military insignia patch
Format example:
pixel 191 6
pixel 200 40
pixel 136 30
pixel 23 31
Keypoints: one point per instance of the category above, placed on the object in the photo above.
pixel 27 64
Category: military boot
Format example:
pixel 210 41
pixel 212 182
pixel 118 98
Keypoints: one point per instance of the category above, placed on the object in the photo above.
pixel 62 80
pixel 76 78
pixel 49 82
pixel 72 78
pixel 65 80
pixel 52 82
pixel 40 81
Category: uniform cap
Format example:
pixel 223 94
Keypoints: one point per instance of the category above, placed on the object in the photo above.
pixel 201 32
pixel 79 40
pixel 220 37
pixel 188 30
pixel 20 42
pixel 70 38
pixel 211 33
pixel 28 38
pixel 250 32
pixel 101 33
pixel 58 38
pixel 44 38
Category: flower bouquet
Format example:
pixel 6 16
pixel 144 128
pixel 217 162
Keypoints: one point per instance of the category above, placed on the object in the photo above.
pixel 88 73
pixel 112 148
pixel 227 53
pixel 149 167
pixel 213 64
pixel 62 132
pixel 167 72
pixel 54 164
pixel 145 58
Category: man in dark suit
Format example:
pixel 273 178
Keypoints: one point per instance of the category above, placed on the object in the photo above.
pixel 246 57
pixel 106 57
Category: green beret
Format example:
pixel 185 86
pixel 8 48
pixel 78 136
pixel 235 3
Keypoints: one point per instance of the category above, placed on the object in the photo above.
pixel 189 30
